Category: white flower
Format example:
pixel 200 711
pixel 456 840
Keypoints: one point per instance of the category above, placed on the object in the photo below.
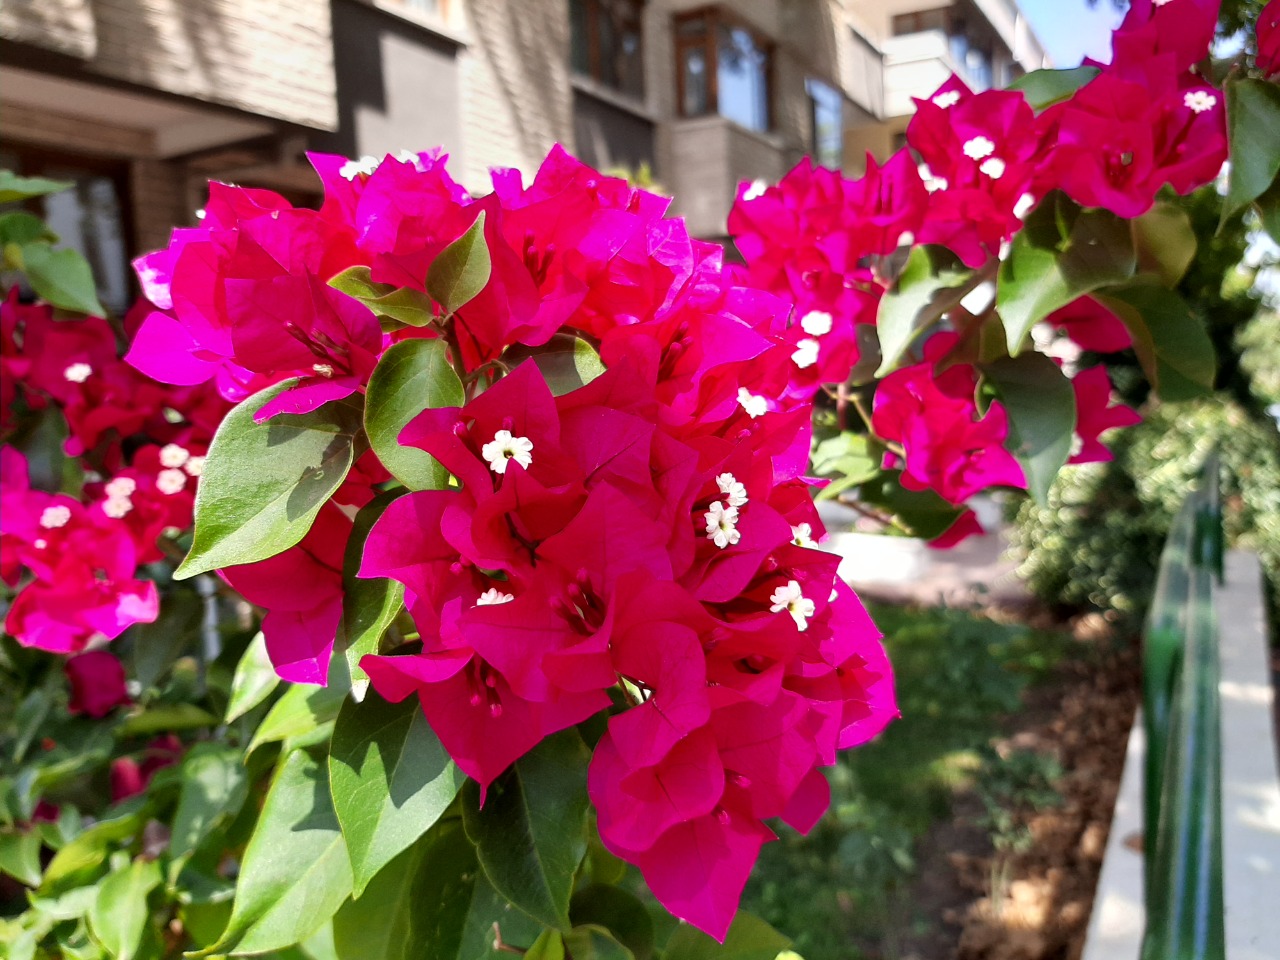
pixel 353 168
pixel 802 535
pixel 993 167
pixel 77 372
pixel 756 406
pixel 722 525
pixel 816 323
pixel 735 493
pixel 1159 3
pixel 948 99
pixel 505 447
pixel 1198 101
pixel 1024 205
pixel 323 369
pixel 41 543
pixel 756 190
pixel 121 487
pixel 171 481
pixel 806 354
pixel 172 455
pixel 906 238
pixel 53 517
pixel 409 156
pixel 194 466
pixel 492 597
pixel 979 147
pixel 790 599
pixel 934 184
pixel 1077 445
pixel 116 507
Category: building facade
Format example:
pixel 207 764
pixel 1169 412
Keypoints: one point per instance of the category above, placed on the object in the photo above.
pixel 140 102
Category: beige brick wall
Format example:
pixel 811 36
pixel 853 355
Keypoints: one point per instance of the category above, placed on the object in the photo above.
pixel 64 26
pixel 267 57
pixel 44 128
pixel 517 98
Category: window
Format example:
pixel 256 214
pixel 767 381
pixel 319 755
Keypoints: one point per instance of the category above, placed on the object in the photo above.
pixel 89 217
pixel 605 42
pixel 919 21
pixel 724 67
pixel 826 143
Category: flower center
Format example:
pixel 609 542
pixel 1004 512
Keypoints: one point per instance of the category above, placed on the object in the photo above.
pixel 171 481
pixel 77 372
pixel 791 599
pixel 722 525
pixel 53 517
pixel 816 323
pixel 505 447
pixel 735 492
pixel 806 353
pixel 979 147
pixel 754 405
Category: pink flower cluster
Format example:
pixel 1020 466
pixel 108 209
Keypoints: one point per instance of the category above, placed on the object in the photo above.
pixel 646 540
pixel 143 443
pixel 821 240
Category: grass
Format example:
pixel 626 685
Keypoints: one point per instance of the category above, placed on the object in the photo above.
pixel 958 676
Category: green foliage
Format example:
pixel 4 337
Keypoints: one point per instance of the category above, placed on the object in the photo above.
pixel 931 280
pixel 461 270
pixel 957 676
pixel 265 482
pixel 396 305
pixel 1042 415
pixel 1044 88
pixel 391 780
pixel 1061 253
pixel 410 376
pixel 1096 544
pixel 530 835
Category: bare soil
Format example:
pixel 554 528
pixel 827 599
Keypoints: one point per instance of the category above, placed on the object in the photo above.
pixel 1042 898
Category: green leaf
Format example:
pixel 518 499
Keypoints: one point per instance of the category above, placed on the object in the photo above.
pixel 402 304
pixel 847 458
pixel 264 483
pixel 750 938
pixel 431 903
pixel 89 850
pixel 1175 351
pixel 214 786
pixel 20 855
pixel 295 874
pixel 531 834
pixel 119 913
pixel 1268 207
pixel 922 512
pixel 303 708
pixel 1061 253
pixel 14 187
pixel 254 679
pixel 61 277
pixel 1042 415
pixel 412 376
pixel 548 946
pixel 926 284
pixel 594 943
pixel 21 227
pixel 166 718
pixel 1253 129
pixel 618 911
pixel 1044 88
pixel 461 270
pixel 391 780
pixel 1165 242
pixel 369 606
pixel 566 364
pixel 155 646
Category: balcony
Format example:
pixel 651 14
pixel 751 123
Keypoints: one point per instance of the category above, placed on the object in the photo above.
pixel 918 63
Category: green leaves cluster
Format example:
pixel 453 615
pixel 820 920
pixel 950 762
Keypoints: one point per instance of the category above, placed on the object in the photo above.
pixel 60 277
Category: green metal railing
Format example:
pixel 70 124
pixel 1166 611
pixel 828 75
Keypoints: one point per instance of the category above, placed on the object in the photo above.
pixel 1183 798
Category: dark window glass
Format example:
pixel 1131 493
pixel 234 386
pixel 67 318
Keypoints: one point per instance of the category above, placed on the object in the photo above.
pixel 606 43
pixel 827 116
pixel 920 21
pixel 696 94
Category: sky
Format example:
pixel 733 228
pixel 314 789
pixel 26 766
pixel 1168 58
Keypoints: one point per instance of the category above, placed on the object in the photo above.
pixel 1071 29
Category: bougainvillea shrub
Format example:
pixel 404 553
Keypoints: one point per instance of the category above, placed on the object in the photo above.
pixel 428 558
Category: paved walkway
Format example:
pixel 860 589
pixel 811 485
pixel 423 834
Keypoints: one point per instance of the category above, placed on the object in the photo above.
pixel 975 572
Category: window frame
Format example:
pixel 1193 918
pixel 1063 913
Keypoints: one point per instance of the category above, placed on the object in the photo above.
pixel 714 19
pixel 594 11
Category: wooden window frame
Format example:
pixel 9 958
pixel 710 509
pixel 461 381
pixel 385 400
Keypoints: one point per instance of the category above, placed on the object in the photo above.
pixel 714 18
pixel 594 11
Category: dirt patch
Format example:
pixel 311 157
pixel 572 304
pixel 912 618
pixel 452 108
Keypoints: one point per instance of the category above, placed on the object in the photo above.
pixel 1033 902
